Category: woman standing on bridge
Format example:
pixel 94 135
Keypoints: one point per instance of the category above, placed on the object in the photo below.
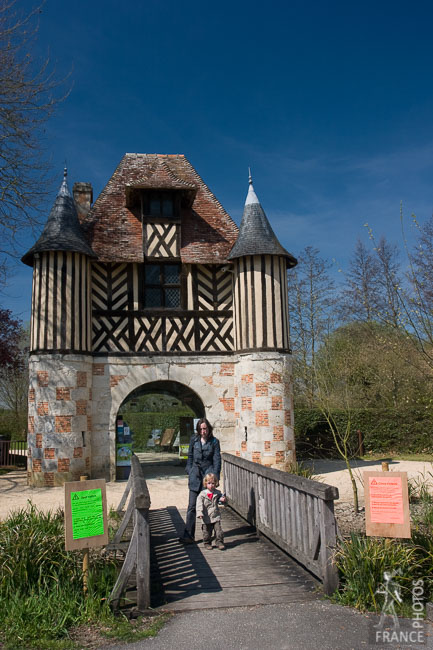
pixel 204 457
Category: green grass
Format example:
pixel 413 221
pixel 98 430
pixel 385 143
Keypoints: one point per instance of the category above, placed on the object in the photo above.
pixel 427 458
pixel 41 594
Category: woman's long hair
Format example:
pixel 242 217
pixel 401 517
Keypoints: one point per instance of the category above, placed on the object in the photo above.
pixel 208 424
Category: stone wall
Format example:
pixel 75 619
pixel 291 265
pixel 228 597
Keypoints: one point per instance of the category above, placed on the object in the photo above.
pixel 74 401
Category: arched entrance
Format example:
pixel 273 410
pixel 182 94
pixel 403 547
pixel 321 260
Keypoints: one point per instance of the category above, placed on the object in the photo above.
pixel 156 421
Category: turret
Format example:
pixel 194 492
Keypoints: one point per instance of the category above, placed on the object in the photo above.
pixel 61 317
pixel 260 282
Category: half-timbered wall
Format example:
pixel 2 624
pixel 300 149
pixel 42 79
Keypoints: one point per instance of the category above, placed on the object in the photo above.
pixel 162 240
pixel 121 324
pixel 61 303
pixel 261 306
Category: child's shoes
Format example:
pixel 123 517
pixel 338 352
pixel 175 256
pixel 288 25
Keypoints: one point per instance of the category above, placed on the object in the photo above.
pixel 207 546
pixel 220 546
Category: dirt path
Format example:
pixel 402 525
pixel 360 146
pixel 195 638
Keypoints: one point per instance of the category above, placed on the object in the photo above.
pixel 168 484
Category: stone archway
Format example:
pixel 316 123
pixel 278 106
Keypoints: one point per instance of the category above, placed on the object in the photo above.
pixel 156 421
pixel 117 378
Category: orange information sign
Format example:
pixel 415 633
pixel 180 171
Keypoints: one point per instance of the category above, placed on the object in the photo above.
pixel 386 504
pixel 386 499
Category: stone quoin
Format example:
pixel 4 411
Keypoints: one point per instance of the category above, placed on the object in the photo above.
pixel 154 282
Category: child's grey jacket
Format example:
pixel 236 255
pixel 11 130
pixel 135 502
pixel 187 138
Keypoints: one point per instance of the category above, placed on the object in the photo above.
pixel 208 508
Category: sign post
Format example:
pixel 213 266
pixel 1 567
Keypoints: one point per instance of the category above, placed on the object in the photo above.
pixel 85 518
pixel 386 504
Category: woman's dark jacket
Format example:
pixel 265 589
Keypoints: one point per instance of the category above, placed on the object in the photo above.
pixel 202 460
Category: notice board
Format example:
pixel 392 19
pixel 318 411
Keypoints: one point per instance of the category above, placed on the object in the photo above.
pixel 85 514
pixel 386 504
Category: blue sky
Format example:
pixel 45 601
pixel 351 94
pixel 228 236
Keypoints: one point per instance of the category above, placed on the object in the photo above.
pixel 331 104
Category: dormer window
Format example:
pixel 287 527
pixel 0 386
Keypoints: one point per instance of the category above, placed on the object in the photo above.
pixel 161 204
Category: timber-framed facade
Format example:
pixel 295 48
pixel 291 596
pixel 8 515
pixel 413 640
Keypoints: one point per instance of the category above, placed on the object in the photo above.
pixel 155 282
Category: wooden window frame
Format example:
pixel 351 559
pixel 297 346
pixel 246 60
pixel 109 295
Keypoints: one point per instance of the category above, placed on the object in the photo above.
pixel 162 285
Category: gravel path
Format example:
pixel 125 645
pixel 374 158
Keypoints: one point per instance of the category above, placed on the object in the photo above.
pixel 168 484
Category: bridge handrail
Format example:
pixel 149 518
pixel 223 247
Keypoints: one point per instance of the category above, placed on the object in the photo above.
pixel 138 553
pixel 296 513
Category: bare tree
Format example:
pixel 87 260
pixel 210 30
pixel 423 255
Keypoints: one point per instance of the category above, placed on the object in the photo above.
pixel 311 299
pixel 29 92
pixel 359 294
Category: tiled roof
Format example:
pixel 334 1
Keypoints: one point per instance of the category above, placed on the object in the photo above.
pixel 62 231
pixel 114 229
pixel 256 236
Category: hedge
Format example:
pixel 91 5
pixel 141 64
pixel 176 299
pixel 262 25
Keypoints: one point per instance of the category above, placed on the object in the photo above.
pixel 141 424
pixel 384 430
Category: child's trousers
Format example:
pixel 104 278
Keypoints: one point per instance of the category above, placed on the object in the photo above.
pixel 208 529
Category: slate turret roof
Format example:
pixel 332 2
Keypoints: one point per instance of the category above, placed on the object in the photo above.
pixel 62 231
pixel 256 236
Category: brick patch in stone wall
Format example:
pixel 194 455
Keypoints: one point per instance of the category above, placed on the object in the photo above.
pixel 63 465
pixel 114 379
pixel 90 394
pixel 39 440
pixel 42 408
pixel 279 457
pixel 49 479
pixel 257 457
pixel 228 403
pixel 49 452
pixel 277 403
pixel 247 379
pixel 227 369
pixel 278 434
pixel 287 418
pixel 276 378
pixel 42 377
pixel 81 379
pixel 236 391
pixel 31 424
pixel 88 462
pixel 78 452
pixel 262 419
pixel 63 393
pixel 267 445
pixel 31 394
pixel 63 423
pixel 237 414
pixel 81 406
pixel 208 380
pixel 246 403
pixel 89 423
pixel 243 445
pixel 37 465
pixel 98 369
pixel 181 365
pixel 261 389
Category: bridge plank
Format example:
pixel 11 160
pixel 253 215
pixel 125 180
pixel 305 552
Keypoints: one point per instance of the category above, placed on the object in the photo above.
pixel 250 571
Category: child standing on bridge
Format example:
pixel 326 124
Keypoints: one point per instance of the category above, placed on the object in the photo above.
pixel 208 510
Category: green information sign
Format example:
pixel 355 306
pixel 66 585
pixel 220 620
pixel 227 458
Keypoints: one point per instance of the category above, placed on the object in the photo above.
pixel 87 513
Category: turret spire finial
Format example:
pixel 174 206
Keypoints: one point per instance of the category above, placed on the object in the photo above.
pixel 65 172
pixel 250 180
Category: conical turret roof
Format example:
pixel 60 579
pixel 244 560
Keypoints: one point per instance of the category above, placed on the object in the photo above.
pixel 256 236
pixel 62 231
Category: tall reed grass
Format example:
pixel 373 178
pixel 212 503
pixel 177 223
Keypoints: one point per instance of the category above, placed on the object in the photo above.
pixel 41 593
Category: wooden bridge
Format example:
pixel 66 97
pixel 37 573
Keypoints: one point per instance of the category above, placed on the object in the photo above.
pixel 275 518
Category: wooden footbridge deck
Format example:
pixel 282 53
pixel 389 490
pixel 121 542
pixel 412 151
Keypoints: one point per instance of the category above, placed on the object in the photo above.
pixel 276 522
pixel 250 571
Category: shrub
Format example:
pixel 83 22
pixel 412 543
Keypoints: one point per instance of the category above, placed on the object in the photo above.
pixel 384 430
